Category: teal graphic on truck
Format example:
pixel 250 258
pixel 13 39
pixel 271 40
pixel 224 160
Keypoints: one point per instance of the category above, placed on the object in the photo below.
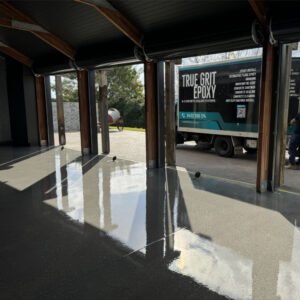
pixel 218 104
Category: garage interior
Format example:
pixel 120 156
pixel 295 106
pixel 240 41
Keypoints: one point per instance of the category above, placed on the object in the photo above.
pixel 78 225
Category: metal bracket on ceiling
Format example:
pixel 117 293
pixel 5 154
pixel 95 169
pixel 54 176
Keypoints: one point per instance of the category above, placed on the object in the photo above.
pixel 259 35
pixel 140 53
pixel 272 40
pixel 35 74
pixel 73 64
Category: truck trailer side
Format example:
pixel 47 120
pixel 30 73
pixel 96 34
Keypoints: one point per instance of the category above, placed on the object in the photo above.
pixel 218 104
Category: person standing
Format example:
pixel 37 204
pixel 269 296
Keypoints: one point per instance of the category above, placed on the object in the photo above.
pixel 294 142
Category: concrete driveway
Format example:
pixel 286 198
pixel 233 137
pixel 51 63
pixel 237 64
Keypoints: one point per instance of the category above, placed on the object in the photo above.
pixel 130 145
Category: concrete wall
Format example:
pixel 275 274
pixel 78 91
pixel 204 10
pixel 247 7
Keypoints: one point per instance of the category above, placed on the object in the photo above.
pixel 22 104
pixel 31 109
pixel 71 110
pixel 16 100
pixel 5 135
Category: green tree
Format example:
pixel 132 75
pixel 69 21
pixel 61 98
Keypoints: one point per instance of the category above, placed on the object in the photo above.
pixel 125 92
pixel 70 87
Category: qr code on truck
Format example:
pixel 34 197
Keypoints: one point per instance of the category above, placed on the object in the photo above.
pixel 241 111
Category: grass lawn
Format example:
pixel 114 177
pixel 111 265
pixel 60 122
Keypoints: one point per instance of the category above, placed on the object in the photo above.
pixel 129 128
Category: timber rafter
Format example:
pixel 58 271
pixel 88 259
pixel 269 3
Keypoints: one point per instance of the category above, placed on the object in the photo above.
pixel 15 54
pixel 116 18
pixel 16 19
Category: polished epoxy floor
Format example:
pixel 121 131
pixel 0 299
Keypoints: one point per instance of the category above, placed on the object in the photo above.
pixel 92 228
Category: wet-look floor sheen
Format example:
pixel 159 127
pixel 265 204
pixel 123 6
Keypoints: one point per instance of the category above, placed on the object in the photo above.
pixel 93 228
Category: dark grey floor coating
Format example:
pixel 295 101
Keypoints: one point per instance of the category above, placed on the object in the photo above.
pixel 131 233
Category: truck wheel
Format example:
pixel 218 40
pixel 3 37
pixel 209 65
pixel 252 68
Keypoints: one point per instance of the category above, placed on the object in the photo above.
pixel 203 145
pixel 179 138
pixel 223 146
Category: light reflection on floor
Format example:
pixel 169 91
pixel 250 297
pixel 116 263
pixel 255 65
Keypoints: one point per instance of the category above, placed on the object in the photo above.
pixel 222 236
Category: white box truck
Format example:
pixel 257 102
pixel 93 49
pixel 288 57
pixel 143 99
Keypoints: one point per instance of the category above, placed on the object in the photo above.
pixel 218 104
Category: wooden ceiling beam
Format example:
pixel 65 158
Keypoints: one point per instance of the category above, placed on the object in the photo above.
pixel 116 18
pixel 14 24
pixel 19 20
pixel 259 9
pixel 15 54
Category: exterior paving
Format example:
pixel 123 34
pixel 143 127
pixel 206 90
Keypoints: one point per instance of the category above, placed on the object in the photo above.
pixel 131 145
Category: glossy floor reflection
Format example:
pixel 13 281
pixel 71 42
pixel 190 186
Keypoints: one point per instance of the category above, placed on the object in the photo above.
pixel 91 228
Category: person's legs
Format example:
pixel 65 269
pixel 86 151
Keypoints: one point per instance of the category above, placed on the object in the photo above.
pixel 298 149
pixel 293 149
pixel 298 160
